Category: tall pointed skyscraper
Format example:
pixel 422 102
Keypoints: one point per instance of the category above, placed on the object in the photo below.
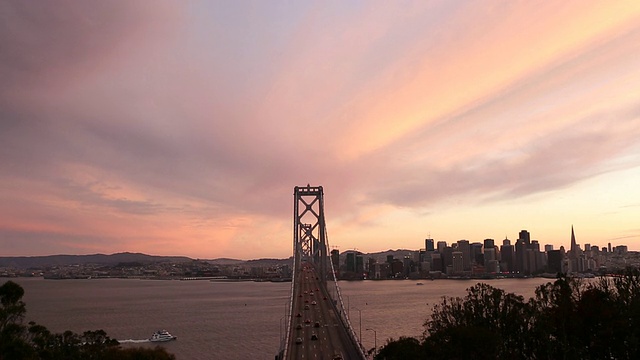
pixel 574 246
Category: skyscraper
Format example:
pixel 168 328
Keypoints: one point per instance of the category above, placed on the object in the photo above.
pixel 554 263
pixel 574 247
pixel 575 260
pixel 525 236
pixel 465 248
pixel 457 262
pixel 477 256
pixel 428 244
pixel 351 262
pixel 335 259
pixel 520 263
pixel 489 243
pixel 506 252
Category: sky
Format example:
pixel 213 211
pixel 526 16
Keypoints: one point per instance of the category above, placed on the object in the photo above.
pixel 182 128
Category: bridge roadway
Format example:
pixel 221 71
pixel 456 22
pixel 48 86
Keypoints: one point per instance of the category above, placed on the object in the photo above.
pixel 317 332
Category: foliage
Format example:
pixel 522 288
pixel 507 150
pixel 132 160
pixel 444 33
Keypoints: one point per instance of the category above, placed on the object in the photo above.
pixel 403 348
pixel 567 319
pixel 34 341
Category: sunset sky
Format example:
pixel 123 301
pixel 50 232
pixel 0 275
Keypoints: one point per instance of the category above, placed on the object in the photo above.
pixel 181 128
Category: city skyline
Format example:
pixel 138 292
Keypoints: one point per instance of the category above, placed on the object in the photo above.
pixel 182 128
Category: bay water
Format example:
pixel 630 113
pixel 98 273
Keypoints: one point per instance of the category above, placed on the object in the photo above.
pixel 231 320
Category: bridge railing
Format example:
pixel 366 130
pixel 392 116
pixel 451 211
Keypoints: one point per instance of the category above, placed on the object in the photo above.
pixel 344 315
pixel 284 345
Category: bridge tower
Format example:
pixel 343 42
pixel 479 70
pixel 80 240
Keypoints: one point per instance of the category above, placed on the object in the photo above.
pixel 309 229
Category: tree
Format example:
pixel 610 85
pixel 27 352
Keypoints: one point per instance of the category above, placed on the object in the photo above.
pixel 486 323
pixel 12 311
pixel 18 341
pixel 567 319
pixel 401 349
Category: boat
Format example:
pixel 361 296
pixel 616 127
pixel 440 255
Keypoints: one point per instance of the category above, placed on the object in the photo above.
pixel 162 335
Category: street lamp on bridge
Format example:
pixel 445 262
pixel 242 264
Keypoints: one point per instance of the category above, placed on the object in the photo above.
pixel 360 313
pixel 375 342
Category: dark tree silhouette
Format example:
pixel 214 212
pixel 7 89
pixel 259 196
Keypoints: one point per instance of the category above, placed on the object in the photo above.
pixel 36 342
pixel 566 319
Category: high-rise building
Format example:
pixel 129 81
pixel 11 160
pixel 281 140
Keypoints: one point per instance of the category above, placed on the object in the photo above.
pixel 428 244
pixel 371 264
pixel 535 245
pixel 406 264
pixel 359 264
pixel 457 262
pixel 507 255
pixel 489 243
pixel 351 262
pixel 490 261
pixel 524 235
pixel 335 259
pixel 447 257
pixel 520 258
pixel 554 261
pixel 530 264
pixel 397 268
pixel 477 256
pixel 441 246
pixel 465 248
pixel 436 262
pixel 574 247
pixel 548 247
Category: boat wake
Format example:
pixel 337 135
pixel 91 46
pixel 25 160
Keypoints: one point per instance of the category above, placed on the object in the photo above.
pixel 133 341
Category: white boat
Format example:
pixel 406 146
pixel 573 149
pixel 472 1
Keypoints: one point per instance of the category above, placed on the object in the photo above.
pixel 162 335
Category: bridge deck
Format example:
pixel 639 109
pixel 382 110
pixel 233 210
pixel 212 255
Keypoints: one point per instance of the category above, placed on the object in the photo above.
pixel 317 332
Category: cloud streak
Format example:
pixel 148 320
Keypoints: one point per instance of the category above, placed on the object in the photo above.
pixel 135 126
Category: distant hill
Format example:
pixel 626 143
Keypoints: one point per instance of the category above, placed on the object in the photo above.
pixel 25 262
pixel 269 262
pixel 225 261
